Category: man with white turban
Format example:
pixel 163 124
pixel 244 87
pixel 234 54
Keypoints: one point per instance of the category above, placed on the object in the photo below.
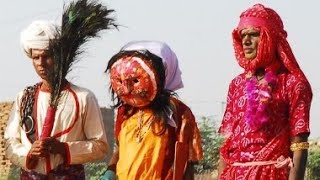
pixel 37 36
pixel 78 135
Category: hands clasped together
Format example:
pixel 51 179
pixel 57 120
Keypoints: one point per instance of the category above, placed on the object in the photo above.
pixel 42 149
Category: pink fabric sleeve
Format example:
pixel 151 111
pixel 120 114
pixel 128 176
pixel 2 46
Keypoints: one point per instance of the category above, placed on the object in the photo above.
pixel 300 96
pixel 227 121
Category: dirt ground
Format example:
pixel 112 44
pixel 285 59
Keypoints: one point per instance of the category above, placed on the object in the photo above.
pixel 208 176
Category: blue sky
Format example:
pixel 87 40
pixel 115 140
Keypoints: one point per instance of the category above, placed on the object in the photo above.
pixel 198 31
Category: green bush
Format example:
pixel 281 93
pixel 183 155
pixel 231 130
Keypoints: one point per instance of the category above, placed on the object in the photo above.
pixel 94 171
pixel 313 166
pixel 14 172
pixel 211 142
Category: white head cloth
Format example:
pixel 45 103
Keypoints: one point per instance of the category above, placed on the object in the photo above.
pixel 169 59
pixel 37 36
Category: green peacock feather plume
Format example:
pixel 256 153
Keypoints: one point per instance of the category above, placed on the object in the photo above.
pixel 82 20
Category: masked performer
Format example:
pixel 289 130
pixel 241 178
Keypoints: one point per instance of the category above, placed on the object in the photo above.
pixel 157 136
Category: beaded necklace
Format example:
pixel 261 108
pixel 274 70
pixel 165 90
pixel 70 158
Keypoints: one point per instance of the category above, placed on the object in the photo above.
pixel 142 128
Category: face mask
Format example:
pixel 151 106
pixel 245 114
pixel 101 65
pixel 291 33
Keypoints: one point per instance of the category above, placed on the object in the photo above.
pixel 134 81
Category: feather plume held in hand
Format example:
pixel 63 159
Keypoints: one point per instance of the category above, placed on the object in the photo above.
pixel 81 21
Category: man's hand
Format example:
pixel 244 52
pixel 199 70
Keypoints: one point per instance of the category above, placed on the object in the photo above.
pixel 38 149
pixel 32 162
pixel 221 167
pixel 42 148
pixel 54 146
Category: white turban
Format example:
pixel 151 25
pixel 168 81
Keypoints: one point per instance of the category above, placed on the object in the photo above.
pixel 37 36
pixel 169 59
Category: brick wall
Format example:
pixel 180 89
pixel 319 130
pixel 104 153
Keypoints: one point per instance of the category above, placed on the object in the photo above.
pixel 108 118
pixel 5 164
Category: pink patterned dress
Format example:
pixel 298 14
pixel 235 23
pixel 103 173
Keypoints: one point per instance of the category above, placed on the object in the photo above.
pixel 289 116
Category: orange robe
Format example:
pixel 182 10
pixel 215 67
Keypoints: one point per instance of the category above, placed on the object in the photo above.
pixel 153 156
pixel 142 160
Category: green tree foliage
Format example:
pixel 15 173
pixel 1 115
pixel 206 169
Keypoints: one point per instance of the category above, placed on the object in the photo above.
pixel 211 142
pixel 14 172
pixel 313 166
pixel 94 171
